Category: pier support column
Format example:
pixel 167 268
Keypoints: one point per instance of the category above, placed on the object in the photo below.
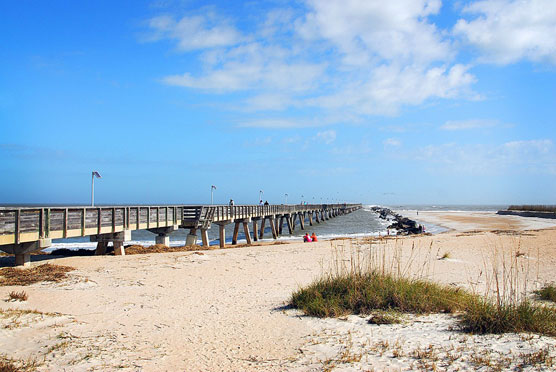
pixel 205 237
pixel 289 221
pixel 163 234
pixel 281 225
pixel 262 227
pixel 236 232
pixel 317 216
pixel 272 227
pixel 293 220
pixel 311 219
pixel 117 240
pixel 246 232
pixel 255 230
pixel 119 249
pixel 23 259
pixel 222 234
pixel 191 237
pixel 22 250
pixel 101 248
pixel 302 221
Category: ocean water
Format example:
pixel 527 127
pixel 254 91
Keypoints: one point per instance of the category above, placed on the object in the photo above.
pixel 363 222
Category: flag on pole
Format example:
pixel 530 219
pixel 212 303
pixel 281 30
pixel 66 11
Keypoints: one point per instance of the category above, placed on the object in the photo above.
pixel 96 174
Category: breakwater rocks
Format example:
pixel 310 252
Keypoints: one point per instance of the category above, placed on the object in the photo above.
pixel 403 225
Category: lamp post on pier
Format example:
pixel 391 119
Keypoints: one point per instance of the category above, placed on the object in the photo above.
pixel 94 175
pixel 261 193
pixel 286 198
pixel 212 188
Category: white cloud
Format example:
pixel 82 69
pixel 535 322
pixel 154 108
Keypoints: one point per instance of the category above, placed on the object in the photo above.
pixel 468 124
pixel 195 32
pixel 364 30
pixel 327 136
pixel 390 87
pixel 352 58
pixel 507 31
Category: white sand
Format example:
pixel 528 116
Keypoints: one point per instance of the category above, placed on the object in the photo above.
pixel 223 309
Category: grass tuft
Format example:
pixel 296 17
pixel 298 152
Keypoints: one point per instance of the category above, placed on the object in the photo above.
pixel 385 317
pixel 42 273
pixel 482 316
pixel 547 293
pixel 356 293
pixel 18 296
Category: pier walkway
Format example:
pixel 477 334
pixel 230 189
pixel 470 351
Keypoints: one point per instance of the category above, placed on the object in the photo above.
pixel 27 229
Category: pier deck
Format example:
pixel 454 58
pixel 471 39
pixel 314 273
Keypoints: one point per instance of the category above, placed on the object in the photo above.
pixel 27 229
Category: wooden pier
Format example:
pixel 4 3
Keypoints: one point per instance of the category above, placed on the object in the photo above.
pixel 27 229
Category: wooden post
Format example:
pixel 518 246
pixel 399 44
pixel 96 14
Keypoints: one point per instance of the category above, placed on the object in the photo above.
pixel 255 231
pixel 65 223
pixel 281 225
pixel 310 218
pixel 16 227
pixel 302 221
pixel 236 231
pixel 23 259
pixel 290 226
pixel 317 216
pixel 272 227
pixel 83 221
pixel 118 248
pixel 101 248
pixel 222 235
pixel 204 237
pixel 246 232
pixel 262 227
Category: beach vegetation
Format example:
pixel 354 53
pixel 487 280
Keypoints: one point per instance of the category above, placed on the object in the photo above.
pixel 17 296
pixel 8 364
pixel 483 316
pixel 11 276
pixel 385 317
pixel 363 293
pixel 445 256
pixel 547 293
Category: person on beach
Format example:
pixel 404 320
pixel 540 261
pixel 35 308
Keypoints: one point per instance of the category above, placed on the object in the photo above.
pixel 307 238
pixel 314 237
pixel 231 202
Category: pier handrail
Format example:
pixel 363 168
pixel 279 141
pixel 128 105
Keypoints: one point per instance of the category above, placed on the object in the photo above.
pixel 23 224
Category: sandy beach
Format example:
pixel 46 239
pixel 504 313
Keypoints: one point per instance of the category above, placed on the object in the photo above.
pixel 225 310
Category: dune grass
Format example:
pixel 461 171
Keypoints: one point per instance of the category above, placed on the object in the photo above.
pixel 482 316
pixel 356 293
pixel 379 285
pixel 547 293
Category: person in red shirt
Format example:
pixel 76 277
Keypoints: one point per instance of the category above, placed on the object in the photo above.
pixel 306 238
pixel 314 238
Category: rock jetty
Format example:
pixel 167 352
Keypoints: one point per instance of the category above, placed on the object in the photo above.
pixel 403 225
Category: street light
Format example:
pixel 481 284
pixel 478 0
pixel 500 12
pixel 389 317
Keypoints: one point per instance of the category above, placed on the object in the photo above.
pixel 286 198
pixel 212 188
pixel 94 175
pixel 261 193
pixel 301 199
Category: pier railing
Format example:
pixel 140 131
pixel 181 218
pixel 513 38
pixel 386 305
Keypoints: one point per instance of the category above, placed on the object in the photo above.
pixel 31 224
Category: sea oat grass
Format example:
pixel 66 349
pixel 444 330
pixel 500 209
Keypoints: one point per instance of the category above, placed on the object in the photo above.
pixel 362 293
pixel 547 293
pixel 481 316
pixel 42 273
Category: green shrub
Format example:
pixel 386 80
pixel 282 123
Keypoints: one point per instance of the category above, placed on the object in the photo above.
pixel 547 293
pixel 363 293
pixel 482 316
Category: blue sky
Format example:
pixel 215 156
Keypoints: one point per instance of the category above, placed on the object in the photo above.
pixel 406 101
